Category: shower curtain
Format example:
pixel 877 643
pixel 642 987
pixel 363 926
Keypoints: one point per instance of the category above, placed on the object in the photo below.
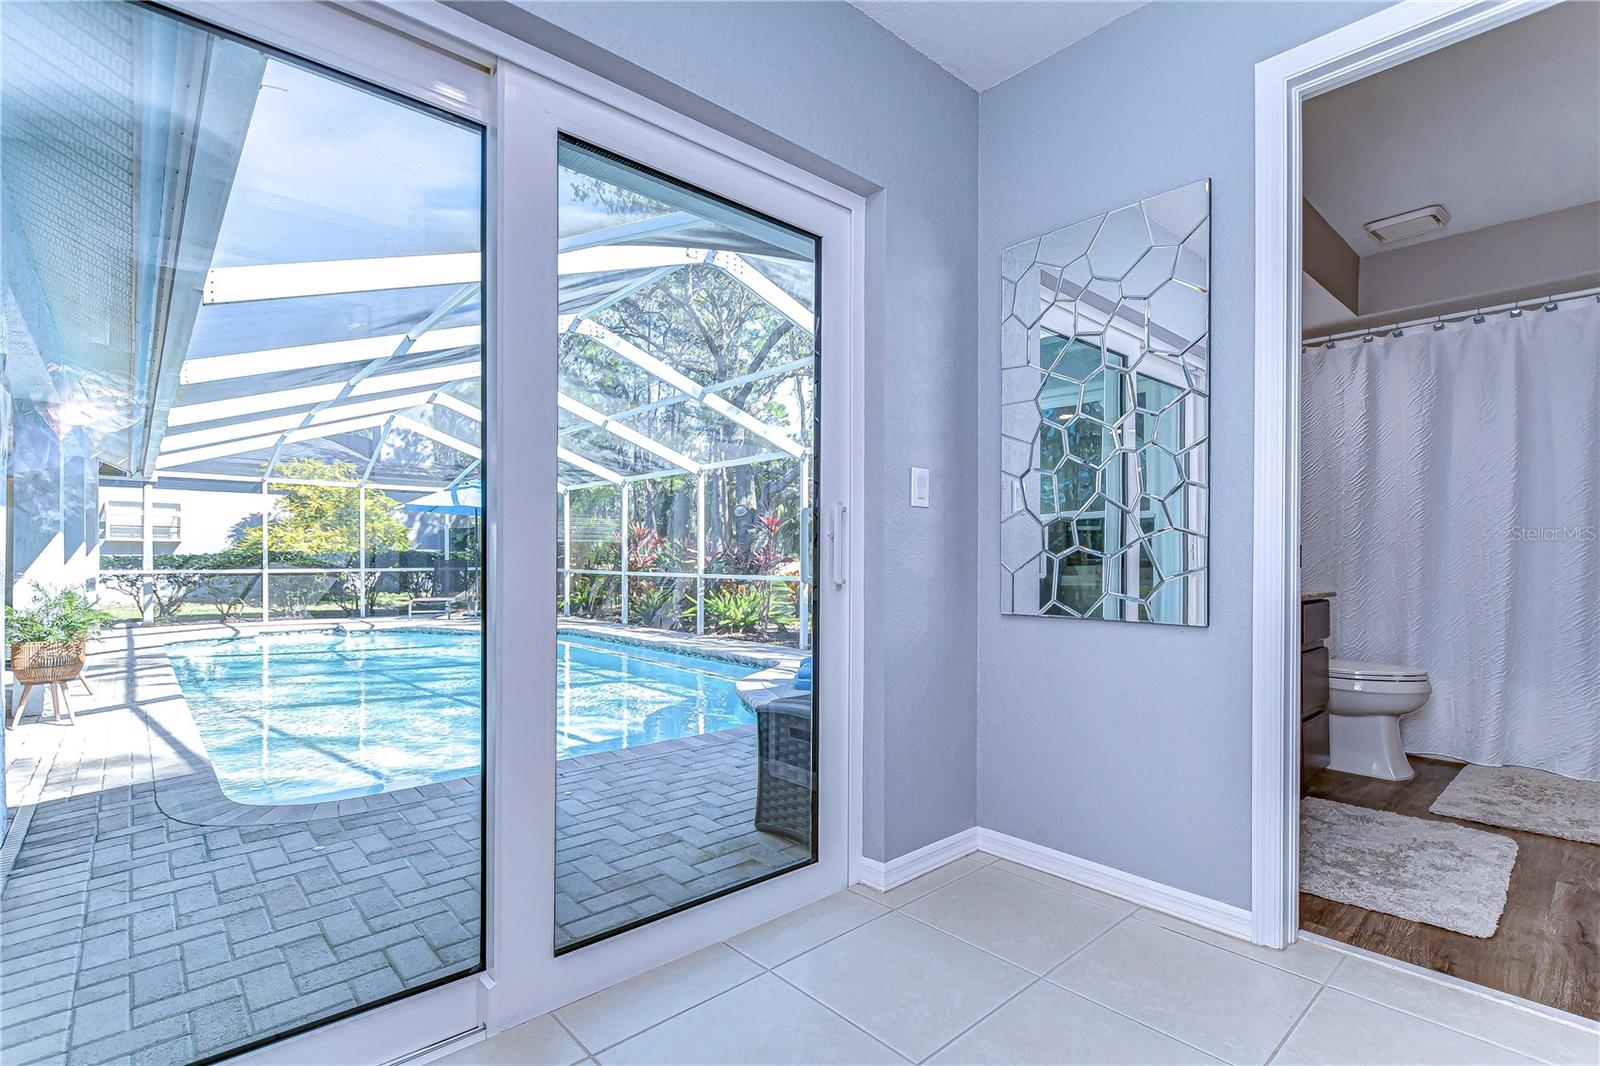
pixel 1450 495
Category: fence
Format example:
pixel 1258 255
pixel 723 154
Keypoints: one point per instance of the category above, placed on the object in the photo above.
pixel 749 609
pixel 177 595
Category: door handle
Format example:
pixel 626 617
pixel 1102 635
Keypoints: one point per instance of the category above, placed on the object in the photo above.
pixel 806 518
pixel 837 561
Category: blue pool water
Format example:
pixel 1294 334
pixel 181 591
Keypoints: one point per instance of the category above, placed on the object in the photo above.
pixel 312 716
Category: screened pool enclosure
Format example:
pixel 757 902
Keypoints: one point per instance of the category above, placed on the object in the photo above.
pixel 314 448
pixel 687 408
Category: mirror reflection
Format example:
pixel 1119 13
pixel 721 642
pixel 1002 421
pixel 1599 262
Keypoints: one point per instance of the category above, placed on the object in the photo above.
pixel 1104 427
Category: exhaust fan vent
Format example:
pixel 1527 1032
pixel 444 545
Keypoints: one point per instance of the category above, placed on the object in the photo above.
pixel 1408 224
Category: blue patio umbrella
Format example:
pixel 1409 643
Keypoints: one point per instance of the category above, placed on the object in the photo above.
pixel 465 498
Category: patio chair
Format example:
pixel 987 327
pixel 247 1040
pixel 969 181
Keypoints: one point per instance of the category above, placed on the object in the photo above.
pixel 440 603
pixel 464 602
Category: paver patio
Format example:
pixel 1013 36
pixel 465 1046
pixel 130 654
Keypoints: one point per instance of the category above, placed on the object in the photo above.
pixel 137 925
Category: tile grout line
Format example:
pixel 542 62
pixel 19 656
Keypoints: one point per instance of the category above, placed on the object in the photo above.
pixel 1230 941
pixel 887 910
pixel 1339 964
pixel 1365 998
pixel 595 1054
pixel 1431 978
pixel 566 1029
pixel 1322 987
pixel 986 1016
pixel 847 1020
pixel 891 909
pixel 1036 977
pixel 1113 1010
pixel 765 969
pixel 929 925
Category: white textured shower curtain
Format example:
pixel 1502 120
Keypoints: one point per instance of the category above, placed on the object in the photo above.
pixel 1450 495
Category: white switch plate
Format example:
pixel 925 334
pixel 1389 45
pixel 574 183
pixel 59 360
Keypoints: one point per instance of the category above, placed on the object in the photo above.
pixel 919 486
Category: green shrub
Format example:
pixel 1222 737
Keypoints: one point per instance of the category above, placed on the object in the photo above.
pixel 735 609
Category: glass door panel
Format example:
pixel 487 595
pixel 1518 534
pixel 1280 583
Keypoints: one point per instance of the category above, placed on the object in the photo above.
pixel 244 436
pixel 685 747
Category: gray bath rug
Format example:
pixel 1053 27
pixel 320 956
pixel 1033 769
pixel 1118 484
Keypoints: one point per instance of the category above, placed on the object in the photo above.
pixel 1434 872
pixel 1519 798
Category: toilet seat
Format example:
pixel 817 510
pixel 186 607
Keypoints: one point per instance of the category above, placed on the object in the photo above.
pixel 1359 670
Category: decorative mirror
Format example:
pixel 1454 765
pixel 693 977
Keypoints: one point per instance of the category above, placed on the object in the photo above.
pixel 1104 424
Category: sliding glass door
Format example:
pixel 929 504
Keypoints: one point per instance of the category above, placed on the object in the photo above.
pixel 315 359
pixel 685 741
pixel 243 574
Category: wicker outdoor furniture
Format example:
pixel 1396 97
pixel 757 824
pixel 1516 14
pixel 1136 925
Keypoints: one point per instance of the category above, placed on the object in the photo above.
pixel 786 784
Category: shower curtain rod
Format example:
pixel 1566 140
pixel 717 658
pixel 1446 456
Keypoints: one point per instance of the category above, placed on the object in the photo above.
pixel 1549 303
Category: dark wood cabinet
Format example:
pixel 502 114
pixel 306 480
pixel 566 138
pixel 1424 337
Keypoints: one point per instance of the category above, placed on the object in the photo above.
pixel 1315 626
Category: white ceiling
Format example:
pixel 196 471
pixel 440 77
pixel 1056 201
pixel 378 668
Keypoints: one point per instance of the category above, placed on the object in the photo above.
pixel 984 42
pixel 1501 126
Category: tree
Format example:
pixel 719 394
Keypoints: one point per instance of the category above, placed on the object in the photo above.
pixel 326 518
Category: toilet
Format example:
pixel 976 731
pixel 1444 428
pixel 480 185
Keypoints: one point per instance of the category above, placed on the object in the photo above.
pixel 1365 704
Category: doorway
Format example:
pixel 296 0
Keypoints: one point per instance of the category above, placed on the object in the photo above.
pixel 1292 637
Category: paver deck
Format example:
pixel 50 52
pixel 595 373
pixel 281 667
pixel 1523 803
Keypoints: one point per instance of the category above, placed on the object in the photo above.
pixel 130 934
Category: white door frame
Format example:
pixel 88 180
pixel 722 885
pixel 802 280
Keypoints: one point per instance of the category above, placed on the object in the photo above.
pixel 524 96
pixel 529 982
pixel 1388 38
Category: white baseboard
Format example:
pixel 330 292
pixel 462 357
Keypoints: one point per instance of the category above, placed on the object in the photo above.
pixel 882 876
pixel 1201 910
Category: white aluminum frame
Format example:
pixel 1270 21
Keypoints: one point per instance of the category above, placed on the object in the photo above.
pixel 525 97
pixel 1283 83
pixel 283 281
pixel 622 123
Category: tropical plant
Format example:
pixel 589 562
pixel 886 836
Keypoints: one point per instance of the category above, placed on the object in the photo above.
pixel 653 603
pixel 646 548
pixel 594 595
pixel 734 608
pixel 64 617
pixel 759 553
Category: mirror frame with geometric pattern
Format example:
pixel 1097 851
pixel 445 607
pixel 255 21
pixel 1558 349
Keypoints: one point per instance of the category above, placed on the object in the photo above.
pixel 1104 415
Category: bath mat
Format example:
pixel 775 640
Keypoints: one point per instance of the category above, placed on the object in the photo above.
pixel 1427 871
pixel 1518 798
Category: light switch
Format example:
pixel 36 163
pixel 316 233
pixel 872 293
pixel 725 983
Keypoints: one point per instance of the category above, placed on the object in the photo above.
pixel 919 486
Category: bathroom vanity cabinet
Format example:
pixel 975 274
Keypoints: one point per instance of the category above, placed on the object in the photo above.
pixel 1315 619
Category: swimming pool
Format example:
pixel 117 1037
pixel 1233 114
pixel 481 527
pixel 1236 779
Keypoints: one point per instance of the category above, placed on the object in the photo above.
pixel 310 716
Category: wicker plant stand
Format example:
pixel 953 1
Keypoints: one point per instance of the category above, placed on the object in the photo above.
pixel 46 663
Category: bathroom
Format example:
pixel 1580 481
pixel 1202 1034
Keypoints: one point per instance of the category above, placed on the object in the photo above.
pixel 1449 496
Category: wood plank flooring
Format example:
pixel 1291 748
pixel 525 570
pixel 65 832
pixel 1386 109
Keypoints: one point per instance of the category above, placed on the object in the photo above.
pixel 1547 948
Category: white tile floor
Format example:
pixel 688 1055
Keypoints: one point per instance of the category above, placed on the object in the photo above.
pixel 984 961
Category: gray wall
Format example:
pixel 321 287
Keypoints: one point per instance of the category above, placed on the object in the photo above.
pixel 832 82
pixel 1130 744
pixel 1538 256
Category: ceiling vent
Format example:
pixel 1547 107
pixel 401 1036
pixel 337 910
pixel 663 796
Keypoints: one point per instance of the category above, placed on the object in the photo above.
pixel 1408 224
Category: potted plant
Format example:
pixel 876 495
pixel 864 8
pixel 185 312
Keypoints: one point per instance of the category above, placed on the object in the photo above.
pixel 50 640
